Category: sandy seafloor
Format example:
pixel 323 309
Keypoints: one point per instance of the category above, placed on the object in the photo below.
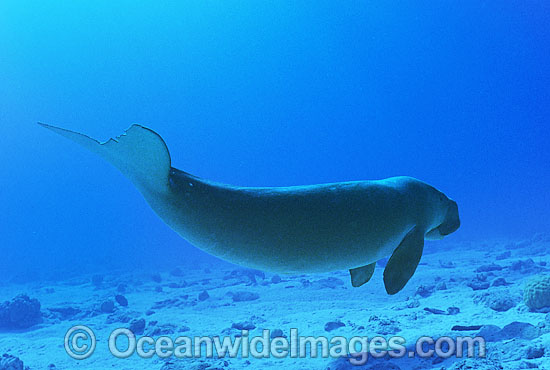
pixel 171 306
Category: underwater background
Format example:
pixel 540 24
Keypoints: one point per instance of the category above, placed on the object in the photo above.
pixel 270 93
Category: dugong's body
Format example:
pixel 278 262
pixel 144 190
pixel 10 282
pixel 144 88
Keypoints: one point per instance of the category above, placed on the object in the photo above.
pixel 315 228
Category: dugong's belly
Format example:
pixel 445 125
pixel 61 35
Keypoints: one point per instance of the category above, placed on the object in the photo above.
pixel 295 229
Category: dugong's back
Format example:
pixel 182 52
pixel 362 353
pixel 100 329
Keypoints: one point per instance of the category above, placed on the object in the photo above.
pixel 299 228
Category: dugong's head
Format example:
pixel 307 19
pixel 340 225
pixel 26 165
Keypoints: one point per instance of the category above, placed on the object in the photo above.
pixel 446 219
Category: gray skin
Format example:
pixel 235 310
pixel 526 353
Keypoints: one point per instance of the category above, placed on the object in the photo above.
pixel 296 229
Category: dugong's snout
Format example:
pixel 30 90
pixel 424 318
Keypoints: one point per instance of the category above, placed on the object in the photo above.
pixel 452 221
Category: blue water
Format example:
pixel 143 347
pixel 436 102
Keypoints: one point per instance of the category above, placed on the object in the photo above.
pixel 251 93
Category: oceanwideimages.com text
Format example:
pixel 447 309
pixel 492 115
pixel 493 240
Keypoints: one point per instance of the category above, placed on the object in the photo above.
pixel 80 343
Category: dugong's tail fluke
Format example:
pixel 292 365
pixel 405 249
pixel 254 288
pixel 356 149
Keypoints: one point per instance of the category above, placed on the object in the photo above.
pixel 140 154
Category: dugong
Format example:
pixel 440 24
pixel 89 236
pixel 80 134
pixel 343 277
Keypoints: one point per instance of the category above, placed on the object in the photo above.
pixel 295 229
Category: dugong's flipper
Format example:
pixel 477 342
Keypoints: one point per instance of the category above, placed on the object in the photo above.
pixel 361 275
pixel 404 260
pixel 140 154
